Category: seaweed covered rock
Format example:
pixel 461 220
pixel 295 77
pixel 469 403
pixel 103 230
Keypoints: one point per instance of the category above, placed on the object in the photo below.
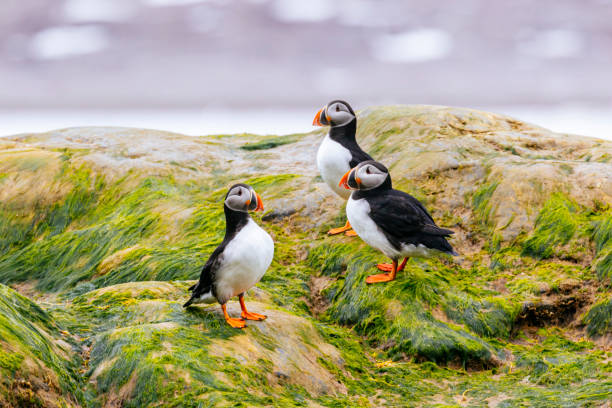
pixel 36 367
pixel 146 349
pixel 452 153
pixel 109 223
pixel 426 312
pixel 599 320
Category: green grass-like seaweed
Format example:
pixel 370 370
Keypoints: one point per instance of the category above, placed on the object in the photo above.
pixel 108 259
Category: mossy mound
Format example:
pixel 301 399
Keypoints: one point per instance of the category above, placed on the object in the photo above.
pixel 146 349
pixel 104 226
pixel 412 315
pixel 35 364
pixel 599 319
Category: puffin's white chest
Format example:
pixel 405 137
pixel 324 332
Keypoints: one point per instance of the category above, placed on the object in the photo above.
pixel 358 214
pixel 333 162
pixel 245 260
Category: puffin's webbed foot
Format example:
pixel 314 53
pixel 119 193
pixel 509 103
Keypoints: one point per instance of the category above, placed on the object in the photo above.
pixel 236 323
pixel 233 321
pixel 386 277
pixel 381 277
pixel 334 231
pixel 253 316
pixel 350 233
pixel 246 314
pixel 387 267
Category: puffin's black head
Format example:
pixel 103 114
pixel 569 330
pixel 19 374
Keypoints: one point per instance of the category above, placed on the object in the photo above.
pixel 242 197
pixel 335 113
pixel 366 176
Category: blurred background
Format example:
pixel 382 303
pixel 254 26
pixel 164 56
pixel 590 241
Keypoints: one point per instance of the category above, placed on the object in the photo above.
pixel 266 66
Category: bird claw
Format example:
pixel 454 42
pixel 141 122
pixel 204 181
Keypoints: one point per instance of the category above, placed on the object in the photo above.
pixel 385 267
pixel 253 316
pixel 350 233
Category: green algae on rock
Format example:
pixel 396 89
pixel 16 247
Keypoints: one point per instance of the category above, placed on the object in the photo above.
pixel 35 363
pixel 403 316
pixel 599 319
pixel 103 225
pixel 146 349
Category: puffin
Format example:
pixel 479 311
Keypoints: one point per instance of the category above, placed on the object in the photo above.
pixel 241 259
pixel 339 151
pixel 392 221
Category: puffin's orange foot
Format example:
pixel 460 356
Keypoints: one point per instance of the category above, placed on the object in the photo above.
pixel 350 233
pixel 385 267
pixel 340 230
pixel 253 316
pixel 236 323
pixel 336 231
pixel 381 277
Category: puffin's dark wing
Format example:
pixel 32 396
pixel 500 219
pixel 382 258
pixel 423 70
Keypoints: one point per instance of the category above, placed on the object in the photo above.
pixel 357 155
pixel 207 275
pixel 404 220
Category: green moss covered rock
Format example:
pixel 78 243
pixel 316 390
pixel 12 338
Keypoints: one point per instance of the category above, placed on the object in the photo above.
pixel 146 349
pixel 103 227
pixel 36 363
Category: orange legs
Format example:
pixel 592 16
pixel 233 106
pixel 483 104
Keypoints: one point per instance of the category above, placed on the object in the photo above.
pixel 246 314
pixel 346 229
pixel 239 323
pixel 385 277
pixel 232 321
pixel 385 267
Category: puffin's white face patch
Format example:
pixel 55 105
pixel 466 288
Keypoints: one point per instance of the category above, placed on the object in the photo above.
pixel 370 176
pixel 339 114
pixel 237 198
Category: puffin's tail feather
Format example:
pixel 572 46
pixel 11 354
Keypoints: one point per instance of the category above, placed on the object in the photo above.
pixel 435 230
pixel 447 247
pixel 438 242
pixel 189 302
pixel 193 290
pixel 200 295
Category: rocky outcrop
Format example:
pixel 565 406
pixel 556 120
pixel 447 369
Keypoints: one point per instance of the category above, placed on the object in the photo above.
pixel 104 227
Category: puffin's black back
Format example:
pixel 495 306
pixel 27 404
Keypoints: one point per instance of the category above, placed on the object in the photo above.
pixel 403 219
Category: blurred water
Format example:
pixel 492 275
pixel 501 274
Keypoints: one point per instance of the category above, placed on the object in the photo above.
pixel 576 119
pixel 187 54
pixel 192 122
pixel 585 120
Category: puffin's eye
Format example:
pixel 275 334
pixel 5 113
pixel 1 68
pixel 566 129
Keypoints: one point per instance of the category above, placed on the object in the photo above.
pixel 239 192
pixel 368 170
pixel 337 108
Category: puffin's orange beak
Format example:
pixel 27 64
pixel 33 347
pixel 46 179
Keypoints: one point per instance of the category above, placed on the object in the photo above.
pixel 344 180
pixel 259 203
pixel 317 118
